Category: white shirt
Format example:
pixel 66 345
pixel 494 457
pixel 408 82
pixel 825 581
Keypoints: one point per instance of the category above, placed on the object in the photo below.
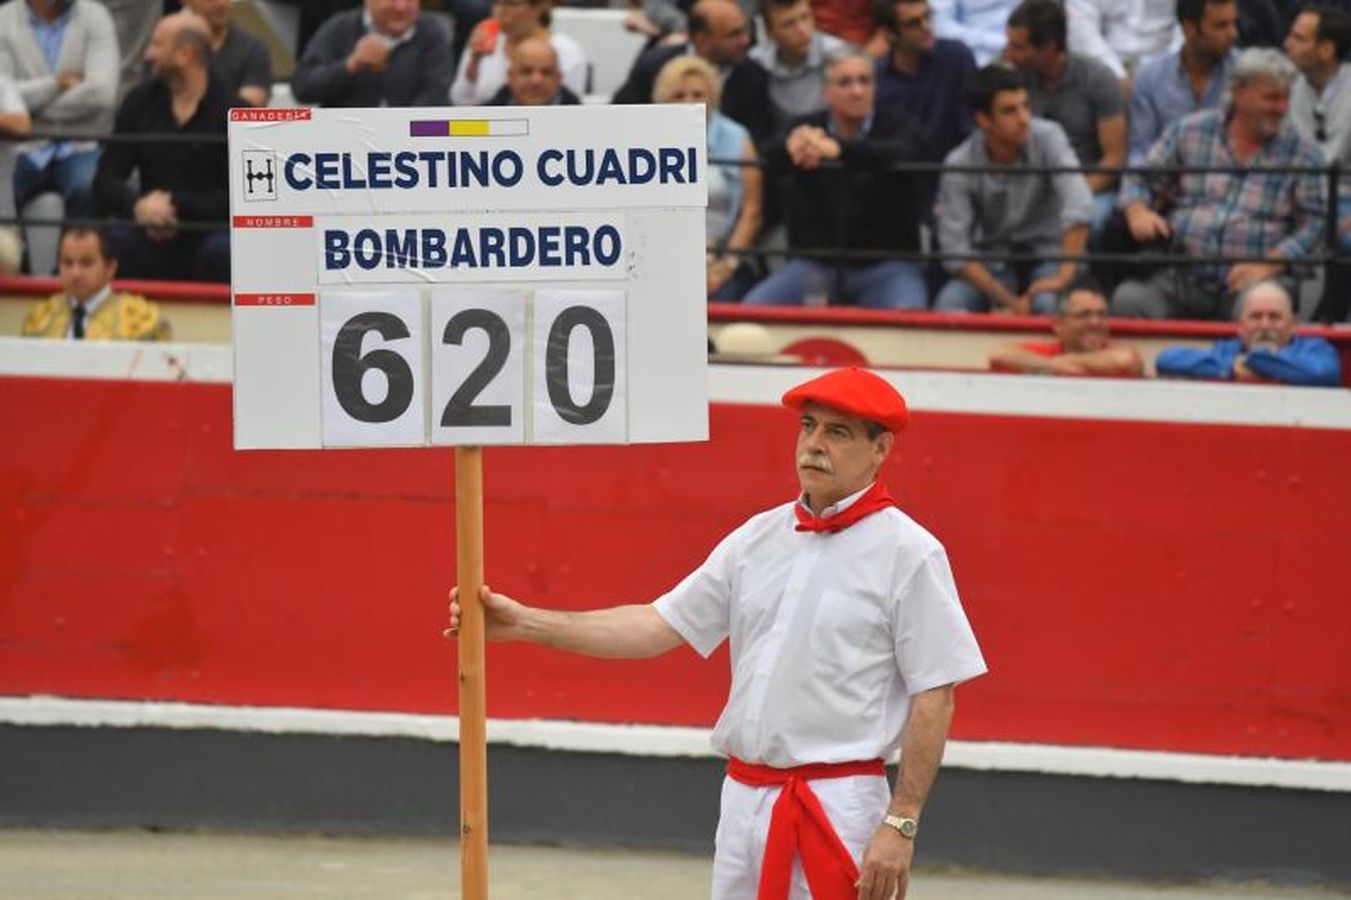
pixel 492 71
pixel 1121 33
pixel 91 306
pixel 1333 106
pixel 830 634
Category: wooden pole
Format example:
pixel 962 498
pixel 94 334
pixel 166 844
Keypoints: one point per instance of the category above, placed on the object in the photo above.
pixel 473 703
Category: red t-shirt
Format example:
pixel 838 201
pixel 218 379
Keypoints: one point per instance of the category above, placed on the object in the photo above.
pixel 1055 348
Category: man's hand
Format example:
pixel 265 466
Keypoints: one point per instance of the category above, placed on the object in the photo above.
pixel 803 147
pixel 371 52
pixel 1241 371
pixel 808 146
pixel 1243 274
pixel 1146 225
pixel 1052 284
pixel 156 210
pixel 67 80
pixel 886 865
pixel 503 617
pixel 1011 304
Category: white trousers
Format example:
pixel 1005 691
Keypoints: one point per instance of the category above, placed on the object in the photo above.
pixel 855 805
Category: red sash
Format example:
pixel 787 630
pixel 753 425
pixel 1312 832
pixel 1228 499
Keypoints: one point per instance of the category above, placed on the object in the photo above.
pixel 798 824
pixel 875 498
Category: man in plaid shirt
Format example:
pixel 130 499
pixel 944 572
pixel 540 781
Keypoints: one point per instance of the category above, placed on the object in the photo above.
pixel 1278 216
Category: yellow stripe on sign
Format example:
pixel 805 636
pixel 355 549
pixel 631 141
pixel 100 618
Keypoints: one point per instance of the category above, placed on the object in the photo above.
pixel 468 128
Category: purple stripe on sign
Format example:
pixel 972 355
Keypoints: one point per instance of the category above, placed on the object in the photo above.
pixel 427 128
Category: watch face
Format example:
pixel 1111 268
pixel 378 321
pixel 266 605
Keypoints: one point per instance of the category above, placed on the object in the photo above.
pixel 908 827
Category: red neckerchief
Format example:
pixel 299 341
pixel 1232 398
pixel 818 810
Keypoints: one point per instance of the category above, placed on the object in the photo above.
pixel 875 498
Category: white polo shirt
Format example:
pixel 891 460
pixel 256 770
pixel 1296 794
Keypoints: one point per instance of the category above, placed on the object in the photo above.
pixel 830 634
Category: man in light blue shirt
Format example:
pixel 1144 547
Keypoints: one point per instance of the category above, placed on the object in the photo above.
pixel 1191 78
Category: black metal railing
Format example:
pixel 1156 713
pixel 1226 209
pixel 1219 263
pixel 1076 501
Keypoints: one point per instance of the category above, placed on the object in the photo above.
pixel 1330 309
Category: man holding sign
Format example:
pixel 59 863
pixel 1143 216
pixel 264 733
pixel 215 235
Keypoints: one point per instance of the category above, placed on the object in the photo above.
pixel 847 640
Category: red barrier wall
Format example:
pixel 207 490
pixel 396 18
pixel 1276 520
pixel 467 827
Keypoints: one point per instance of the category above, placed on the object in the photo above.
pixel 1133 584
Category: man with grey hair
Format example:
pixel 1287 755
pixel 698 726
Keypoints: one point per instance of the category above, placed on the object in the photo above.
pixel 1261 218
pixel 834 173
pixel 1266 348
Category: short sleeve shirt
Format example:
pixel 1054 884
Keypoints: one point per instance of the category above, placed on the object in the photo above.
pixel 829 634
pixel 1087 94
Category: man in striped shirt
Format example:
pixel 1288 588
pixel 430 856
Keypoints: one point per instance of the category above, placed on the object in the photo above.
pixel 1261 220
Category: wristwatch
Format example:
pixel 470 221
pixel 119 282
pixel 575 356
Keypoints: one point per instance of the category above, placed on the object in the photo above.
pixel 907 827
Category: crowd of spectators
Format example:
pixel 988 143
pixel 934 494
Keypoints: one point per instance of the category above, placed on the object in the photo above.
pixel 856 142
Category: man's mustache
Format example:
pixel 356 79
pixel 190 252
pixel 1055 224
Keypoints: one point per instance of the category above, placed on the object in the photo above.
pixel 815 461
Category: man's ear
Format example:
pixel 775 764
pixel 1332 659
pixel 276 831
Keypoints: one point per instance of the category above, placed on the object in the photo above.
pixel 982 119
pixel 886 441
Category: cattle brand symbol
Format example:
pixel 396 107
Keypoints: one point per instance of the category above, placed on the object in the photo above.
pixel 260 175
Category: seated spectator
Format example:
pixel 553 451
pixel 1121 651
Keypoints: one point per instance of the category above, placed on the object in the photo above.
pixel 483 65
pixel 1081 346
pixel 735 193
pixel 1078 93
pixel 859 204
pixel 1278 215
pixel 176 181
pixel 977 23
pixel 14 122
pixel 1266 349
pixel 1320 99
pixel 388 53
pixel 795 58
pixel 719 33
pixel 1120 35
pixel 63 56
pixel 1187 80
pixel 87 309
pixel 1008 211
pixel 851 21
pixel 533 78
pixel 240 59
pixel 924 76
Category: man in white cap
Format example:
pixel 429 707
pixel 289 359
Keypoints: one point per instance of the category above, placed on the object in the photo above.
pixel 847 640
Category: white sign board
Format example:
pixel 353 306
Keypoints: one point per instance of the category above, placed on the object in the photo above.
pixel 409 277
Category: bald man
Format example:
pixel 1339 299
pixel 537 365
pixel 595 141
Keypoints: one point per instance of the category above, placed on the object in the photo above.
pixel 720 33
pixel 1266 348
pixel 178 181
pixel 534 77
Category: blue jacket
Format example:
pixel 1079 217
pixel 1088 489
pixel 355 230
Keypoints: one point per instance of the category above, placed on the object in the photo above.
pixel 1305 360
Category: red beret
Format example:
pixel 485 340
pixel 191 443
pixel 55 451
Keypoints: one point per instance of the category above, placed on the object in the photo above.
pixel 855 391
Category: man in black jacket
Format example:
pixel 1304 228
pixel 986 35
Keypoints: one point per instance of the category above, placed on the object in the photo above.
pixel 834 169
pixel 179 182
pixel 388 53
pixel 720 33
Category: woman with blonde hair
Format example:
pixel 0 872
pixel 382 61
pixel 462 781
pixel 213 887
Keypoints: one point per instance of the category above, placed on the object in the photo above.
pixel 735 189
